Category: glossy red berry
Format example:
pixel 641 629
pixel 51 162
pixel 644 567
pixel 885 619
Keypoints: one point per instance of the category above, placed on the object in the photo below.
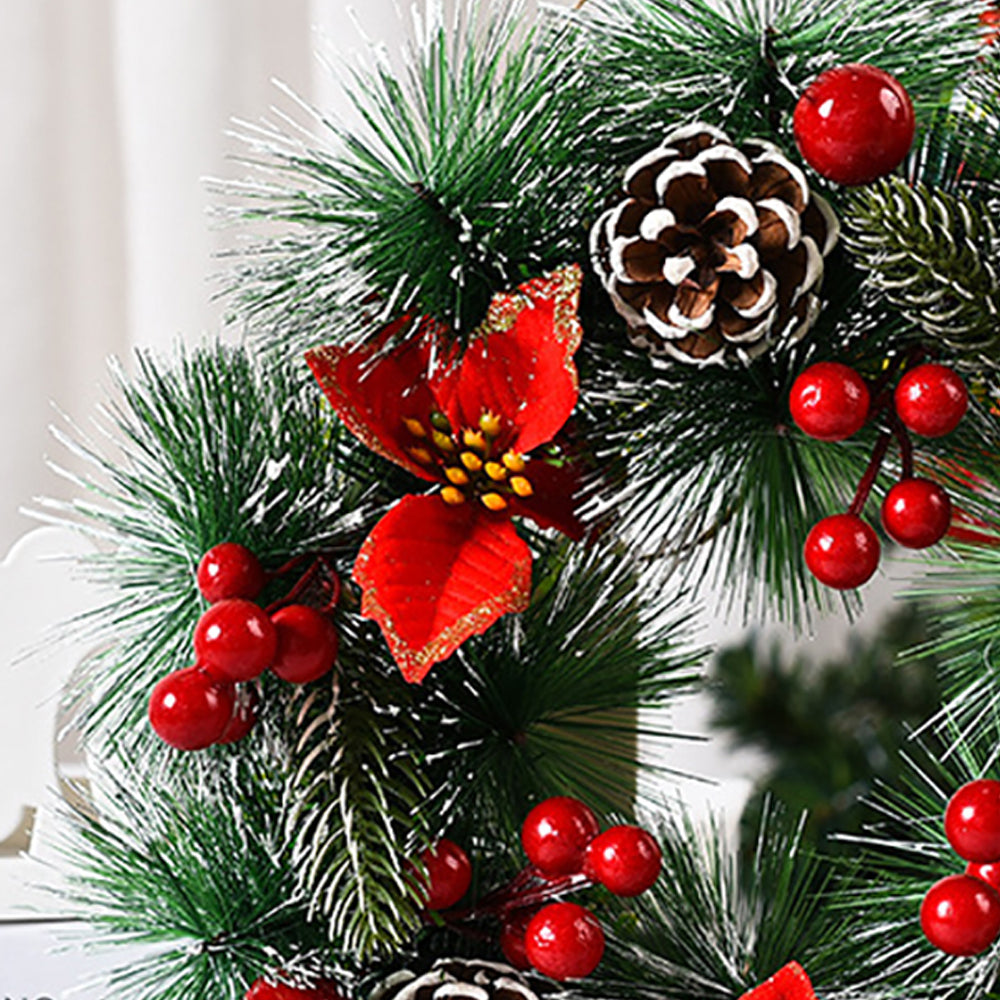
pixel 235 640
pixel 931 400
pixel 988 872
pixel 829 401
pixel 556 833
pixel 189 709
pixel 972 821
pixel 625 859
pixel 229 570
pixel 842 551
pixel 449 874
pixel 564 941
pixel 854 123
pixel 961 915
pixel 512 943
pixel 916 513
pixel 325 989
pixel 307 644
pixel 244 716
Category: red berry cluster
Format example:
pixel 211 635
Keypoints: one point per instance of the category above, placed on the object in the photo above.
pixel 235 641
pixel 961 913
pixel 567 851
pixel 830 402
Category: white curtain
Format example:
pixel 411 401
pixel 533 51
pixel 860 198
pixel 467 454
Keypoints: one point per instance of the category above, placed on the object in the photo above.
pixel 112 113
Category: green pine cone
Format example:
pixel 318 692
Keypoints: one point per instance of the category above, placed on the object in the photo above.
pixel 931 253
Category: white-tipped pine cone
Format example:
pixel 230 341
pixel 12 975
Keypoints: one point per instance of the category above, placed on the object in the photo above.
pixel 715 252
pixel 457 979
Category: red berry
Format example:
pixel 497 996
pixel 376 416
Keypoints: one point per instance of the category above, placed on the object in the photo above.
pixel 449 874
pixel 916 513
pixel 988 872
pixel 556 833
pixel 229 570
pixel 931 400
pixel 972 821
pixel 829 401
pixel 625 859
pixel 842 551
pixel 961 915
pixel 564 941
pixel 307 644
pixel 512 943
pixel 235 640
pixel 189 709
pixel 854 123
pixel 325 989
pixel 243 718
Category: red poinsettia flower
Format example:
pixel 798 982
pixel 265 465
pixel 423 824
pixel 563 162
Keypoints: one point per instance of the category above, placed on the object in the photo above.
pixel 442 566
pixel 788 983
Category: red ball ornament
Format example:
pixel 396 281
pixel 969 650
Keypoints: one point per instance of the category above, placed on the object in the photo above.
pixel 512 943
pixel 931 400
pixel 229 570
pixel 244 716
pixel 449 874
pixel 961 915
pixel 842 551
pixel 854 123
pixel 916 513
pixel 307 644
pixel 988 872
pixel 625 859
pixel 564 941
pixel 325 989
pixel 829 401
pixel 189 709
pixel 556 833
pixel 972 821
pixel 235 640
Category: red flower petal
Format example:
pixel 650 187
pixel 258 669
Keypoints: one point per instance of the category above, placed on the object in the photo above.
pixel 373 389
pixel 788 983
pixel 520 364
pixel 432 575
pixel 555 499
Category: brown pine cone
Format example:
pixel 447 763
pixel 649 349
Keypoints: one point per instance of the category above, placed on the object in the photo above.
pixel 716 252
pixel 457 979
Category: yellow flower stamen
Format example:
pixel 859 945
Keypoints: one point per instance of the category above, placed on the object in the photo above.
pixel 496 471
pixel 456 475
pixel 489 423
pixel 514 461
pixel 422 455
pixel 521 486
pixel 443 441
pixel 415 427
pixel 472 462
pixel 452 496
pixel 474 439
pixel 493 501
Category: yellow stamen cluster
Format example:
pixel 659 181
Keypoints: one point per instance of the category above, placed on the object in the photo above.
pixel 480 472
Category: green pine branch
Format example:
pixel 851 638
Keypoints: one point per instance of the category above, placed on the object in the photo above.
pixel 718 922
pixel 195 875
pixel 933 255
pixel 458 182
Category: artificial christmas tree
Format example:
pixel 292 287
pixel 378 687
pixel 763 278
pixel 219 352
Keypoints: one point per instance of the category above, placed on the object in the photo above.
pixel 400 571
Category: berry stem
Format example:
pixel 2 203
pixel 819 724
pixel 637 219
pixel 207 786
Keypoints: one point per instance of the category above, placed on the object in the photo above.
pixel 905 442
pixel 871 473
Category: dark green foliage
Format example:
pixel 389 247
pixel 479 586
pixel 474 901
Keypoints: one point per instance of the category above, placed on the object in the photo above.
pixel 454 186
pixel 932 254
pixel 903 854
pixel 211 448
pixel 718 922
pixel 743 64
pixel 197 876
pixel 831 729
